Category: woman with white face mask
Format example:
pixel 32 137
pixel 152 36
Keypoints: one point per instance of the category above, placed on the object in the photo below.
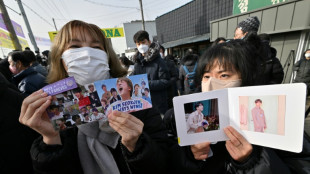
pixel 124 144
pixel 226 65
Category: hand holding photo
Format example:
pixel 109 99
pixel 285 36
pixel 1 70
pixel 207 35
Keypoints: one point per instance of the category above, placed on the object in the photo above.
pixel 271 116
pixel 73 105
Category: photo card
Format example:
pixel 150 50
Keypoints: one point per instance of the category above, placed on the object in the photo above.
pixel 73 105
pixel 271 116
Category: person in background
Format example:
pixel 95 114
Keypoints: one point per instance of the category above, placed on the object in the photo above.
pixel 35 63
pixel 148 61
pixel 26 78
pixel 189 61
pixel 4 68
pixel 273 69
pixel 218 41
pixel 45 57
pixel 127 64
pixel 127 143
pixel 270 70
pixel 171 90
pixel 303 70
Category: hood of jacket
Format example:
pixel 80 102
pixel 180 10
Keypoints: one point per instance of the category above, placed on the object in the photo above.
pixel 151 54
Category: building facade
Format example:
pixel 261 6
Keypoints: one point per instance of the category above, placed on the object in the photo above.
pixel 189 25
pixel 288 24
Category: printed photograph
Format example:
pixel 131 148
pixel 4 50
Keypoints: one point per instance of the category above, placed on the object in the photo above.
pixel 126 94
pixel 202 116
pixel 265 114
pixel 91 102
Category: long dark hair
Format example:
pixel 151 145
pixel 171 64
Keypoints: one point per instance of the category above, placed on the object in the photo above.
pixel 234 55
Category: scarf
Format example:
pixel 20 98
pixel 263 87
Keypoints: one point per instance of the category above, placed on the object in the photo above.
pixel 93 141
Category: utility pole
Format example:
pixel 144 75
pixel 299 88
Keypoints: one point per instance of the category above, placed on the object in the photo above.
pixel 55 24
pixel 141 8
pixel 33 41
pixel 9 26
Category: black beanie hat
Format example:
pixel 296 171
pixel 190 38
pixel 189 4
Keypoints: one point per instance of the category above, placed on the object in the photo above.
pixel 249 24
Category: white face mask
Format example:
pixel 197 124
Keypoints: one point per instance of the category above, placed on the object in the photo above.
pixel 307 55
pixel 143 48
pixel 214 83
pixel 86 64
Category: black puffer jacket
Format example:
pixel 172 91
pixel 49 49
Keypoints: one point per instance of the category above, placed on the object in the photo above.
pixel 269 70
pixel 157 73
pixel 29 81
pixel 303 71
pixel 16 139
pixel 189 61
pixel 174 76
pixel 149 156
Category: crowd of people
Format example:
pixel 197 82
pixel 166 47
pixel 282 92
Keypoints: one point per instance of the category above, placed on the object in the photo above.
pixel 143 141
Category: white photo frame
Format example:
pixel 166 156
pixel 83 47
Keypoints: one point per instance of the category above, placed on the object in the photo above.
pixel 289 118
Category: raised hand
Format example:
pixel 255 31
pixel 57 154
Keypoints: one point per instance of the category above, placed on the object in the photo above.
pixel 201 150
pixel 128 126
pixel 237 146
pixel 33 114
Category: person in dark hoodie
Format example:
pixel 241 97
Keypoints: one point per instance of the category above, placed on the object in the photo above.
pixel 189 62
pixel 26 78
pixel 148 61
pixel 16 138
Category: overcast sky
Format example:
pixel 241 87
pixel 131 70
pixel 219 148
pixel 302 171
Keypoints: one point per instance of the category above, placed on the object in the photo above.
pixel 104 13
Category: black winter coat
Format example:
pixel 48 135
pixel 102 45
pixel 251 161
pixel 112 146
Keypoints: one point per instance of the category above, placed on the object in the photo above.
pixel 271 66
pixel 303 71
pixel 148 157
pixel 158 77
pixel 174 76
pixel 29 81
pixel 16 139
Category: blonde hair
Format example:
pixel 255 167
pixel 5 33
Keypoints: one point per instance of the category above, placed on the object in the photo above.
pixel 64 37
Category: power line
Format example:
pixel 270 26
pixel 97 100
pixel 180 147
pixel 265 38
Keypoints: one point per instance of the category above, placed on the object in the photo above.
pixel 37 14
pixel 13 10
pixel 57 9
pixel 65 7
pixel 46 11
pixel 52 10
pixel 108 5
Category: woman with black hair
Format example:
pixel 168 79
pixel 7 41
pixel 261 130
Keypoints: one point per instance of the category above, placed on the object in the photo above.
pixel 26 78
pixel 226 65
